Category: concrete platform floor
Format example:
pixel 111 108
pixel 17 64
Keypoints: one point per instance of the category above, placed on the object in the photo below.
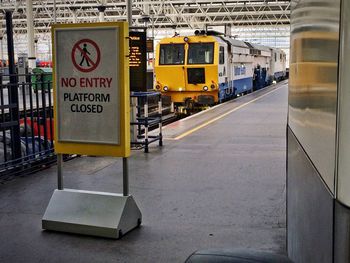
pixel 222 186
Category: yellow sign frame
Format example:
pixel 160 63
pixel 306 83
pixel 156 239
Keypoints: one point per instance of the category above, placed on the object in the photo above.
pixel 123 149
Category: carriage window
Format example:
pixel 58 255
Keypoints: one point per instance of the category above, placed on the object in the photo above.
pixel 172 54
pixel 243 69
pixel 275 57
pixel 240 70
pixel 222 55
pixel 237 70
pixel 201 53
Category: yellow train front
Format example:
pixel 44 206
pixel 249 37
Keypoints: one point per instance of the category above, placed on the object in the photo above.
pixel 186 69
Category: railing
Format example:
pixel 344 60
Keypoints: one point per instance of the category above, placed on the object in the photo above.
pixel 146 112
pixel 26 123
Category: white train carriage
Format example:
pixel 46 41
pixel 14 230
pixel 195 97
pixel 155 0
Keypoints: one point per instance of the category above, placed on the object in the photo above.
pixel 241 66
pixel 235 68
pixel 261 65
pixel 278 64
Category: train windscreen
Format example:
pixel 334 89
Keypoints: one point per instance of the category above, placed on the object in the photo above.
pixel 172 54
pixel 201 53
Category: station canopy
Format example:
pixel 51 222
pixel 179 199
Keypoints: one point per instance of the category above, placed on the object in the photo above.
pixel 260 21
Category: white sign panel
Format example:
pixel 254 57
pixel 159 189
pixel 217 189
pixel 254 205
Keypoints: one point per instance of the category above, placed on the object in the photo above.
pixel 87 85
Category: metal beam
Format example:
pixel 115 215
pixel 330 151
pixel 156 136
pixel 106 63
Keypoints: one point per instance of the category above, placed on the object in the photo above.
pixel 179 14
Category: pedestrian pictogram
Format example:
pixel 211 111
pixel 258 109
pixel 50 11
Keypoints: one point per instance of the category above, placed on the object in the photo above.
pixel 86 55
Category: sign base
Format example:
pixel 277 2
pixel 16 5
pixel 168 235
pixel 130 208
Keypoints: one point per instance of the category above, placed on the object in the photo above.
pixel 91 213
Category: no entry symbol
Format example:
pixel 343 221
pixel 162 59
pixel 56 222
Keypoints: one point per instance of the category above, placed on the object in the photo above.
pixel 86 55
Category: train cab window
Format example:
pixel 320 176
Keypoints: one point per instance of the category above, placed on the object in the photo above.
pixel 172 54
pixel 201 53
pixel 222 55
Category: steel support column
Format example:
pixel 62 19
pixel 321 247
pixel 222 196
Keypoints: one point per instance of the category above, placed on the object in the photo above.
pixel 54 12
pixel 101 10
pixel 129 11
pixel 2 47
pixel 30 34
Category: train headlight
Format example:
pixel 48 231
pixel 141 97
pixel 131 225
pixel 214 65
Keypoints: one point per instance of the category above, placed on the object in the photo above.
pixel 212 86
pixel 180 89
pixel 166 88
pixel 186 39
pixel 205 88
pixel 157 86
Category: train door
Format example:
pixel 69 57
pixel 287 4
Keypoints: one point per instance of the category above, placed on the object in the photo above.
pixel 272 63
pixel 229 64
pixel 258 79
pixel 276 59
pixel 224 92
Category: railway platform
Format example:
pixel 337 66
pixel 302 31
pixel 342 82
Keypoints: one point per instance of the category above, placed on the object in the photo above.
pixel 218 182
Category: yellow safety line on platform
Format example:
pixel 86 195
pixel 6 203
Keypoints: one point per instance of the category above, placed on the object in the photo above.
pixel 221 116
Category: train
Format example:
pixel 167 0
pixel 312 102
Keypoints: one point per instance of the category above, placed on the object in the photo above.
pixel 208 68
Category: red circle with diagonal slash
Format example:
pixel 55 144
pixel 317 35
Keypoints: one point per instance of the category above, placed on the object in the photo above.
pixel 94 64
